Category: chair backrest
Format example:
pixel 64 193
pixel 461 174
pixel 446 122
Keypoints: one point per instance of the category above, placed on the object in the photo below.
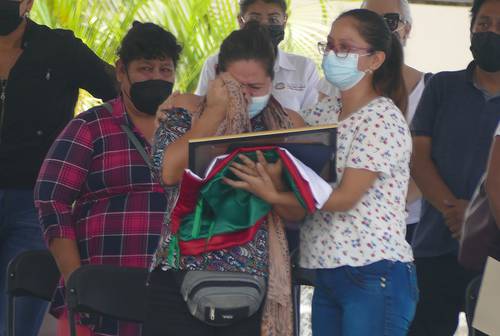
pixel 112 291
pixel 33 273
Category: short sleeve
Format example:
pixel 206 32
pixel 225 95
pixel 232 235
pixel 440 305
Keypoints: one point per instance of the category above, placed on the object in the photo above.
pixel 177 123
pixel 497 132
pixel 324 112
pixel 381 144
pixel 326 88
pixel 425 115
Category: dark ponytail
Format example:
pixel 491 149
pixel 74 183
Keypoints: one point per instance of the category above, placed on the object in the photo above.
pixel 388 78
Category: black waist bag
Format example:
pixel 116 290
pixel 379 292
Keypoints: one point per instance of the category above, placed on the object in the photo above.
pixel 222 298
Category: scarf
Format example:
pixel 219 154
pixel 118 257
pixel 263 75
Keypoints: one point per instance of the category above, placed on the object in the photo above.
pixel 277 318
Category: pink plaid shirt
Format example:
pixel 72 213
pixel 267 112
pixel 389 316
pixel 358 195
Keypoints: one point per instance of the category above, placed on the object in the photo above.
pixel 94 187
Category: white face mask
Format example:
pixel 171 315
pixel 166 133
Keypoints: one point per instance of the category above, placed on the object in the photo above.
pixel 257 104
pixel 342 72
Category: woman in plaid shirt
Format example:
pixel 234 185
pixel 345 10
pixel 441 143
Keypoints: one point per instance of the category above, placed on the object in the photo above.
pixel 97 200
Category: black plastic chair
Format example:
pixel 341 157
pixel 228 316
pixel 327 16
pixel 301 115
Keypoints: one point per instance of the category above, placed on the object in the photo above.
pixel 471 296
pixel 31 273
pixel 106 290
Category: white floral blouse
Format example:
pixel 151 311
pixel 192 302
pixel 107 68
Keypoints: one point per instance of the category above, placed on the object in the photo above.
pixel 375 138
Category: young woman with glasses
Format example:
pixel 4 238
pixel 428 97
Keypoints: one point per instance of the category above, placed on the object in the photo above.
pixel 366 281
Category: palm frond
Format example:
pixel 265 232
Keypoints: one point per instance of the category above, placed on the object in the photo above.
pixel 199 25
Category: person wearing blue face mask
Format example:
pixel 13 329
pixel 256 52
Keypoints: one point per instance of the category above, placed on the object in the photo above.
pixel 238 101
pixel 366 280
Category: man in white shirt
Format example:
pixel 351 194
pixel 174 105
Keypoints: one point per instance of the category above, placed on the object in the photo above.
pixel 296 77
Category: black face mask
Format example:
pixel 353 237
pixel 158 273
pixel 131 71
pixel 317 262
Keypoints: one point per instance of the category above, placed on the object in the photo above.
pixel 277 33
pixel 148 95
pixel 9 17
pixel 485 48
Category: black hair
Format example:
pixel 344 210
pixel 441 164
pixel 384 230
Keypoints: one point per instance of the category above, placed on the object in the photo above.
pixel 244 4
pixel 252 42
pixel 388 78
pixel 476 6
pixel 148 41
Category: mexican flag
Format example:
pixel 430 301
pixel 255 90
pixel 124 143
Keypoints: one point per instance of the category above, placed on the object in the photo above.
pixel 210 215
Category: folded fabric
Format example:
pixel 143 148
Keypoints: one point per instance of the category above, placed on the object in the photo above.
pixel 211 215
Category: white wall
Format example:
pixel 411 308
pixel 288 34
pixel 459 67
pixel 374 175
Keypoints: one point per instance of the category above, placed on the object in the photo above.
pixel 440 38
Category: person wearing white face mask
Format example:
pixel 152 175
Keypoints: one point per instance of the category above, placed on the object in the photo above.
pixel 257 104
pixel 365 278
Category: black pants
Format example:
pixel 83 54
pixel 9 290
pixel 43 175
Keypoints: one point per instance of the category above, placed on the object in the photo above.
pixel 168 315
pixel 410 230
pixel 442 283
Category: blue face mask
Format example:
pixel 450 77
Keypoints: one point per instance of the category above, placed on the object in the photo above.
pixel 257 104
pixel 342 72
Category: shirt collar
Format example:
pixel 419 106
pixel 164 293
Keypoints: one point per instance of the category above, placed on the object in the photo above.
pixel 283 61
pixel 469 73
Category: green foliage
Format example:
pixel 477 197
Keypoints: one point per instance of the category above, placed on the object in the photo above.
pixel 200 26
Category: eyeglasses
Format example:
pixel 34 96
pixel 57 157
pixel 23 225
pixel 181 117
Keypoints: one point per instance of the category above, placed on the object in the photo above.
pixel 271 20
pixel 393 20
pixel 325 47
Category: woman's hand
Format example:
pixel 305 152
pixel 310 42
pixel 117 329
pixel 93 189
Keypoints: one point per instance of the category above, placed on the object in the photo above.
pixel 217 99
pixel 259 179
pixel 275 170
pixel 253 178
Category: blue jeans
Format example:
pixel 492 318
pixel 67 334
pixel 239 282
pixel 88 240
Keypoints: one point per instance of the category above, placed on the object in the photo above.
pixel 377 300
pixel 19 231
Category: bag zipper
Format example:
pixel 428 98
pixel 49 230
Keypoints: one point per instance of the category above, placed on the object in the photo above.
pixel 233 283
pixel 3 97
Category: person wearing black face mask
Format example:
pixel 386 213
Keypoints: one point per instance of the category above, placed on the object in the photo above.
pixel 97 198
pixel 10 18
pixel 485 47
pixel 295 77
pixel 147 95
pixel 453 130
pixel 41 72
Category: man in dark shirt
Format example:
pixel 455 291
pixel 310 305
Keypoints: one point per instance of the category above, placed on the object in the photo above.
pixel 41 72
pixel 453 129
